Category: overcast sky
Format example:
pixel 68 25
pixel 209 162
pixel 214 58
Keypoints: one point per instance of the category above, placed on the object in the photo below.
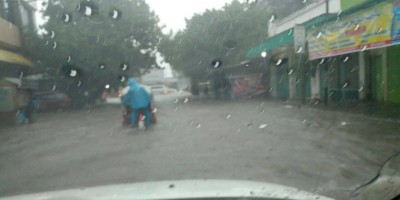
pixel 172 13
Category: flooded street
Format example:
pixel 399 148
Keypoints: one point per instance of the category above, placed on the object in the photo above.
pixel 329 153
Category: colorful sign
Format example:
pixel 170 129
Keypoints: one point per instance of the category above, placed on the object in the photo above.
pixel 367 29
pixel 396 22
pixel 247 85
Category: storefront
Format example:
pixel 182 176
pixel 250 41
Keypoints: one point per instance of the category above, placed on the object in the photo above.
pixel 356 55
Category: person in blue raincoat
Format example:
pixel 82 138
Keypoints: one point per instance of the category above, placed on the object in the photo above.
pixel 137 98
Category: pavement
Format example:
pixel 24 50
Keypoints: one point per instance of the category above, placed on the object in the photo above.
pixel 329 153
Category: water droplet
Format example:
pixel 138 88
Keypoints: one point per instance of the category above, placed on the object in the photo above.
pixel 340 12
pixel 124 67
pixel 88 11
pixel 264 54
pixel 69 59
pixel 47 43
pixel 228 116
pixel 66 17
pixel 52 34
pixel 364 48
pixel 101 66
pixel 250 125
pixel 279 62
pixel 176 101
pixel 272 18
pixel 322 61
pixel 186 100
pixel 262 126
pixel 380 30
pixel 290 32
pixel 343 123
pixel 115 14
pixel 299 50
pixel 357 26
pixel 171 186
pixel 361 88
pixel 319 35
pixel 345 85
pixel 304 1
pixel 216 63
pixel 73 73
pixel 198 125
pixel 54 88
pixel 290 72
pixel 346 59
pixel 21 74
pixel 54 45
pixel 79 84
pixel 122 78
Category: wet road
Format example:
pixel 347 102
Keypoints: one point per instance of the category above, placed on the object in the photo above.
pixel 326 152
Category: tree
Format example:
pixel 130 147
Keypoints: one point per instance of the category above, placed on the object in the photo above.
pixel 224 34
pixel 88 44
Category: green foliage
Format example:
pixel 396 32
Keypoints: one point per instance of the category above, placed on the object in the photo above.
pixel 94 33
pixel 225 34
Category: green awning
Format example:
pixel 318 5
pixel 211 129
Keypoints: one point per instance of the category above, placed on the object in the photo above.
pixel 273 42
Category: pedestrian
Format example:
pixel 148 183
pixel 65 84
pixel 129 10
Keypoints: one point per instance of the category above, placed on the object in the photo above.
pixel 138 100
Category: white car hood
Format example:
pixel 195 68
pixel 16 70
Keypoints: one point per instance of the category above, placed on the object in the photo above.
pixel 187 189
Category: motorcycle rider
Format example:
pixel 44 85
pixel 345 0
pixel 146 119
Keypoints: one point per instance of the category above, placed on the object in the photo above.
pixel 138 99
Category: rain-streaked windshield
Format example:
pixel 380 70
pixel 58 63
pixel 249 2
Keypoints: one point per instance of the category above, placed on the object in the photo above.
pixel 298 93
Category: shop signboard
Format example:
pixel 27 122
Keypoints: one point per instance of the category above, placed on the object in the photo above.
pixel 247 85
pixel 396 22
pixel 363 30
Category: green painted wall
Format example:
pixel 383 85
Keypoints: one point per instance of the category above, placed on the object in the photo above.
pixel 346 4
pixel 393 74
pixel 376 79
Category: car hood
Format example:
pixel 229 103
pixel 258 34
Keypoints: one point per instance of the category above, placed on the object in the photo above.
pixel 187 189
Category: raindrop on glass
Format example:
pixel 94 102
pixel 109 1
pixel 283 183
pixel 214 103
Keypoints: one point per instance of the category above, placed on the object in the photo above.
pixel 250 125
pixel 47 43
pixel 69 59
pixel 357 27
pixel 73 73
pixel 319 35
pixel 121 78
pixel 88 11
pixel 279 62
pixel 124 67
pixel 361 88
pixel 290 72
pixel 380 30
pixel 299 50
pixel 21 74
pixel 322 61
pixel 228 116
pixel 52 34
pixel 364 48
pixel 66 17
pixel 198 125
pixel 343 123
pixel 346 59
pixel 54 45
pixel 262 126
pixel 79 84
pixel 115 14
pixel 176 101
pixel 101 66
pixel 272 18
pixel 264 54
pixel 54 88
pixel 186 100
